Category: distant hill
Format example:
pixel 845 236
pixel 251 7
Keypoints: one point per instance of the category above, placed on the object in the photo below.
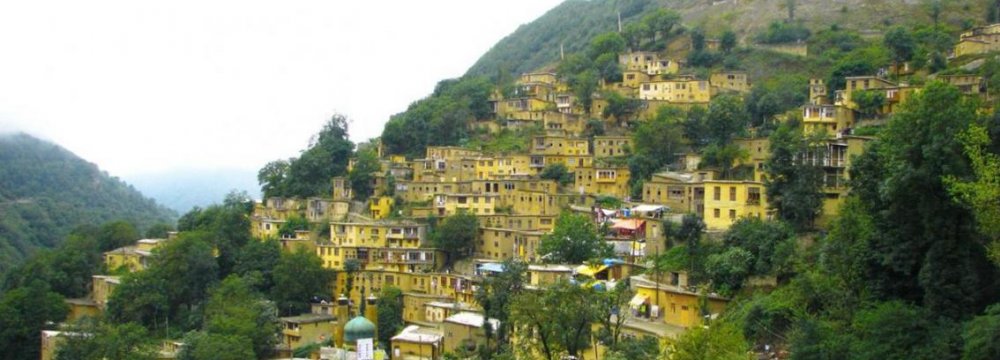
pixel 180 190
pixel 574 23
pixel 46 191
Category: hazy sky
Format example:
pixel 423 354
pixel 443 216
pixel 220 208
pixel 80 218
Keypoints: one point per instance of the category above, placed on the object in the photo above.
pixel 145 86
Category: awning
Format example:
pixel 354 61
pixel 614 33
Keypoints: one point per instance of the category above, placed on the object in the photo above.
pixel 628 224
pixel 637 300
pixel 587 270
pixel 648 208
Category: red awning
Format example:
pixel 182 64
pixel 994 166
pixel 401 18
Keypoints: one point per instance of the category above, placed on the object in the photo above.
pixel 628 224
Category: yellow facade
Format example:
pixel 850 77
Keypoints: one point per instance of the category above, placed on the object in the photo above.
pixel 649 63
pixel 730 81
pixel 758 150
pixel 501 244
pixel 894 94
pixel 980 40
pixel 421 191
pixel 417 343
pixel 380 207
pixel 608 145
pixel 542 275
pixel 465 330
pixel 476 204
pixel 559 145
pixel 535 222
pixel 131 258
pixel 632 78
pixel 831 119
pixel 684 90
pixel 967 84
pixel 676 190
pixel 677 306
pixel 603 180
pixel 726 201
pixel 817 92
pixel 308 329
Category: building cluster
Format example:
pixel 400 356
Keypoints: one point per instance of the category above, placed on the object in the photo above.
pixel 386 241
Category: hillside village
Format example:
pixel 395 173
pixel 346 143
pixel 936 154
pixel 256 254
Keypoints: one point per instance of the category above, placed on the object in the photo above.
pixel 571 176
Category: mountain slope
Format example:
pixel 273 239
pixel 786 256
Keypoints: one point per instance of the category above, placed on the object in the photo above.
pixel 574 23
pixel 181 190
pixel 46 191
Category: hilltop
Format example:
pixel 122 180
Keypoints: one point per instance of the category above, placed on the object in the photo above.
pixel 46 191
pixel 574 23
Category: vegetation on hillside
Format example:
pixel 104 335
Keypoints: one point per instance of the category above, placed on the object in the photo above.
pixel 46 191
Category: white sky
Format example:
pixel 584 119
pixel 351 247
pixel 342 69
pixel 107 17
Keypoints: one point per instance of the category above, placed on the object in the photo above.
pixel 147 86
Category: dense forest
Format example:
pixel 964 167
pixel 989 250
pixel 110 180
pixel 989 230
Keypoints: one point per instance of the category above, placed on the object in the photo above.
pixel 46 191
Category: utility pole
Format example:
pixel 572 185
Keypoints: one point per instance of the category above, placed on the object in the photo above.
pixel 619 22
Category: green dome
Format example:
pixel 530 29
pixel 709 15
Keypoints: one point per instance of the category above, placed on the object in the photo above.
pixel 359 328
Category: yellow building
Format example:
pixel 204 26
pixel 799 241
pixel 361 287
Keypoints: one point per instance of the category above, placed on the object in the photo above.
pixel 671 302
pixel 539 275
pixel 609 145
pixel 967 84
pixel 417 343
pixel 730 81
pixel 559 145
pixel 895 94
pixel 610 180
pixel 500 244
pixel 681 90
pixel 131 258
pixel 836 162
pixel 423 191
pixel 980 40
pixel 725 201
pixel 307 329
pixel 384 233
pixel 436 311
pixel 465 331
pixel 476 204
pixel 817 92
pixel 633 78
pixel 831 119
pixel 380 207
pixel 535 222
pixel 649 63
pixel 682 192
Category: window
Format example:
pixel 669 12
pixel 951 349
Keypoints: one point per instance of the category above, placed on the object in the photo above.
pixel 716 213
pixel 753 196
pixel 732 193
pixel 717 193
pixel 732 214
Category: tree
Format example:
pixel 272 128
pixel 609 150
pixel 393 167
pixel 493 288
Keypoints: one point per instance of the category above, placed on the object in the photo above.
pixel 690 233
pixel 159 231
pixel 273 177
pixel 557 318
pixel 106 341
pixel 299 276
pixel 233 309
pixel 901 45
pixel 794 184
pixel 607 43
pixel 719 340
pixel 619 107
pixel 633 33
pixel 726 119
pixel 980 194
pixel 390 314
pixel 655 143
pixel 497 293
pixel 662 21
pixel 256 262
pixel 729 269
pixel 895 330
pixel 557 172
pixel 870 102
pixel 24 312
pixel 456 236
pixel 612 312
pixel 116 234
pixel 728 41
pixel 696 128
pixel 291 225
pixel 724 157
pixel 982 336
pixel 200 345
pixel 573 241
pixel 325 158
pixel 351 269
pixel 362 175
pixel 930 249
pixel 790 7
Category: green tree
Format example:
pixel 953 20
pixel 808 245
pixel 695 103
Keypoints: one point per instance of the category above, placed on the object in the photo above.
pixel 607 43
pixel 901 45
pixel 24 313
pixel 107 341
pixel 456 236
pixel 611 311
pixel 870 102
pixel 729 269
pixel 557 318
pixel 929 245
pixel 273 178
pixel 980 194
pixel 727 119
pixel 794 185
pixel 116 234
pixel 690 233
pixel 159 231
pixel 728 41
pixel 298 277
pixel 720 340
pixel 573 241
pixel 655 143
pixel 895 330
pixel 619 107
pixel 256 262
pixel 497 293
pixel 390 314
pixel 557 172
pixel 982 336
pixel 662 21
pixel 233 309
pixel 325 158
pixel 363 174
pixel 199 345
pixel 291 225
pixel 633 33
